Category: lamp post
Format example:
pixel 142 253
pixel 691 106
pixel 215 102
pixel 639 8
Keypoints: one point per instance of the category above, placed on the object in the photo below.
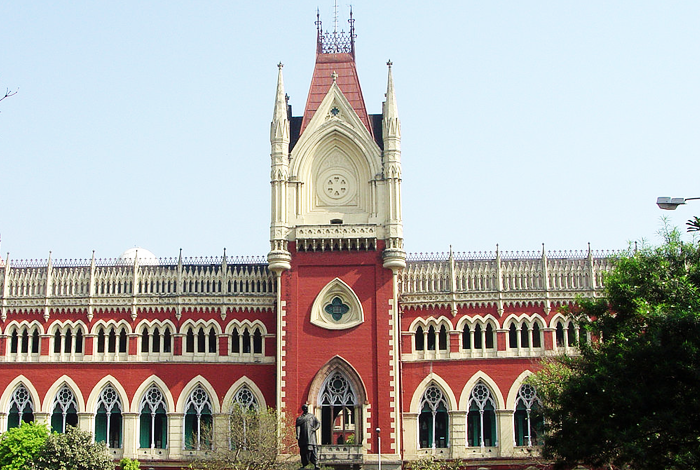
pixel 379 449
pixel 671 203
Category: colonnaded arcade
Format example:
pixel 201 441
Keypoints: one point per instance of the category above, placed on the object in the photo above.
pixel 432 350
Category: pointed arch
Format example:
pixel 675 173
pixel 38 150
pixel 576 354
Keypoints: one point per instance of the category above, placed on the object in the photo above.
pixel 201 323
pixel 17 324
pixel 423 386
pixel 489 382
pixel 91 403
pixel 47 405
pixel 244 381
pixel 338 396
pixel 106 324
pixel 190 387
pixel 513 392
pixel 340 364
pixel 337 294
pixel 245 323
pixel 7 394
pixel 27 396
pixel 145 385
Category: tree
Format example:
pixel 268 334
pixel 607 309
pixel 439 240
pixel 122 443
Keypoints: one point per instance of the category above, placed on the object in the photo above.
pixel 630 399
pixel 8 93
pixel 129 464
pixel 73 450
pixel 254 440
pixel 19 446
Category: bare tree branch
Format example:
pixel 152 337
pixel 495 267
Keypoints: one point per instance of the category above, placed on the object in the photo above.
pixel 9 93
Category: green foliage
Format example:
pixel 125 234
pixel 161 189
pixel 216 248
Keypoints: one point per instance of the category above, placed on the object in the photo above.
pixel 128 464
pixel 631 399
pixel 19 446
pixel 73 450
pixel 431 463
pixel 254 440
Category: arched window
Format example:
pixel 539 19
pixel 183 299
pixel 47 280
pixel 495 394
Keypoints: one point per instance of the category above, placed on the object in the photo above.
pixel 420 339
pixel 167 340
pixel 243 417
pixel 481 420
pixel 466 337
pixel 524 336
pixel 571 330
pixel 433 420
pixel 527 427
pixel 65 410
pixel 144 341
pixel 560 335
pixel 245 399
pixel 490 342
pixel 201 341
pixel 235 341
pixel 25 341
pixel 536 336
pixel 108 418
pixel 339 411
pixel 478 341
pixel 582 335
pixel 21 408
pixel 512 336
pixel 101 340
pixel 14 342
pixel 35 342
pixel 79 341
pixel 57 341
pixel 198 420
pixel 112 341
pixel 431 338
pixel 154 420
pixel 190 340
pixel 257 342
pixel 246 341
pixel 212 340
pixel 155 340
pixel 122 341
pixel 442 339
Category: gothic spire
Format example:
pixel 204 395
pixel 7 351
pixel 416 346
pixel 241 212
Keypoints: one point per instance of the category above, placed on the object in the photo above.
pixel 280 112
pixel 391 111
pixel 279 128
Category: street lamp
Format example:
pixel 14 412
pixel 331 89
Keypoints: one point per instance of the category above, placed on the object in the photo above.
pixel 670 203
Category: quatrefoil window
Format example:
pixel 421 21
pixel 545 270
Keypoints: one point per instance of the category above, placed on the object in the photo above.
pixel 337 308
pixel 335 111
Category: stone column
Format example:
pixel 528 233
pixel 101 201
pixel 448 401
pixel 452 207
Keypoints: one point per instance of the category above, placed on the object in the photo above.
pixel 504 424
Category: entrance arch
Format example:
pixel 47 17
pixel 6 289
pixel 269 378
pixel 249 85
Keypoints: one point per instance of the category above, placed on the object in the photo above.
pixel 339 398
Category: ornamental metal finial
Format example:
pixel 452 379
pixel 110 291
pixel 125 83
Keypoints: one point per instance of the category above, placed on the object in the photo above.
pixel 389 63
pixel 280 65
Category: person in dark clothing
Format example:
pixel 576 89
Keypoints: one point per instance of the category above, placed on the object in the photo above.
pixel 306 427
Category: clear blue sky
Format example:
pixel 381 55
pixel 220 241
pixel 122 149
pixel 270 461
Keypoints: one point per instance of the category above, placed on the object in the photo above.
pixel 146 123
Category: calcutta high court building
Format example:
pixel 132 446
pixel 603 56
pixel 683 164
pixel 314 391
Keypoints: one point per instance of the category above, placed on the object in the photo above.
pixel 428 356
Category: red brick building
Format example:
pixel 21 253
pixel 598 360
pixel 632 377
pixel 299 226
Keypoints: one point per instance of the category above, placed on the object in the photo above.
pixel 429 354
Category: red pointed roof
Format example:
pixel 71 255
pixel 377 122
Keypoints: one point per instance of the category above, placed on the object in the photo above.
pixel 335 53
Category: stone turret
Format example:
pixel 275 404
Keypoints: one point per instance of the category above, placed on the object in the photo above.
pixel 394 254
pixel 279 257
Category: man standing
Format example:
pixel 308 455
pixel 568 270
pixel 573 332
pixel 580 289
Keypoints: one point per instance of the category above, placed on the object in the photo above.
pixel 306 427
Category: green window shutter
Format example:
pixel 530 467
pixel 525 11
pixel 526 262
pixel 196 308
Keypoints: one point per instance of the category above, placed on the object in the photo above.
pixel 12 420
pixel 101 427
pixel 190 437
pixel 145 431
